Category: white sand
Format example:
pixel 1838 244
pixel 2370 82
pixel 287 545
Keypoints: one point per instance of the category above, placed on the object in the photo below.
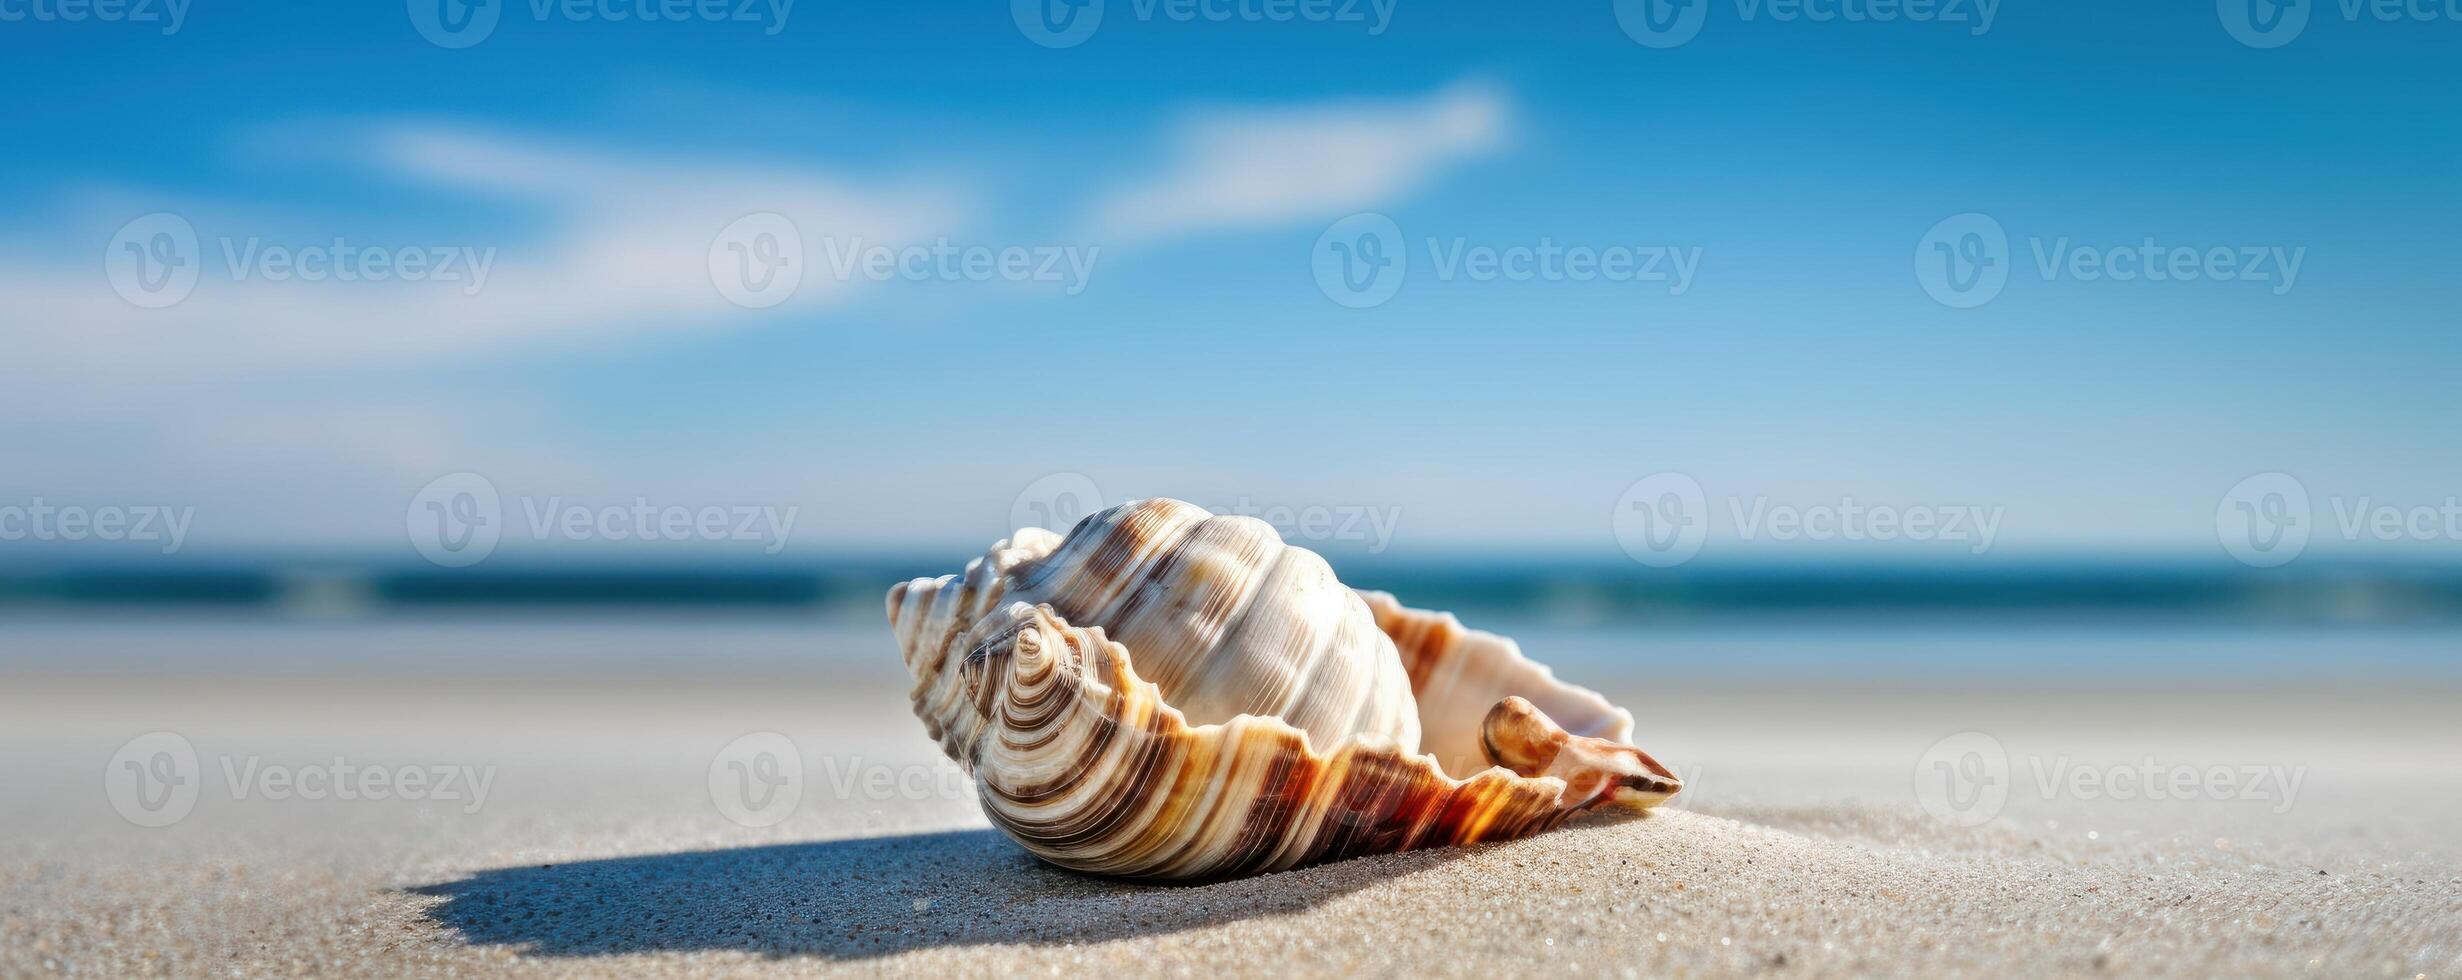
pixel 1801 847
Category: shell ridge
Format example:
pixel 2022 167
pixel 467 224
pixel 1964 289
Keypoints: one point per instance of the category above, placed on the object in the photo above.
pixel 1197 560
pixel 1111 562
pixel 1234 628
pixel 1125 726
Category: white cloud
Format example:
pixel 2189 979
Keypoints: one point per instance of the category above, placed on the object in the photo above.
pixel 626 250
pixel 616 244
pixel 278 408
pixel 1263 168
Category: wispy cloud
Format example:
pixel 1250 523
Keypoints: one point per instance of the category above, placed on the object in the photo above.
pixel 626 248
pixel 307 412
pixel 1256 168
pixel 251 397
pixel 624 242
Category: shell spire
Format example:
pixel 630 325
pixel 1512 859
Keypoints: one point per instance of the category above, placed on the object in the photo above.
pixel 1170 694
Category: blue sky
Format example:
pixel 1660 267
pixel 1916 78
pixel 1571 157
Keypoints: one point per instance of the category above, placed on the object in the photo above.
pixel 1195 164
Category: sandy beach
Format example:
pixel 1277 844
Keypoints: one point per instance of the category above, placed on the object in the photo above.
pixel 475 475
pixel 598 826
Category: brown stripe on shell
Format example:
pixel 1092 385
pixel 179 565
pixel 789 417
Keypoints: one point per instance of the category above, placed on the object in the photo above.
pixel 1103 560
pixel 1422 641
pixel 1238 798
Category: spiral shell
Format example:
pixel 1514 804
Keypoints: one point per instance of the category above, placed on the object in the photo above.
pixel 1171 694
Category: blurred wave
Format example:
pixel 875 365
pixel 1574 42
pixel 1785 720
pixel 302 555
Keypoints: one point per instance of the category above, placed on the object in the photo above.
pixel 1561 592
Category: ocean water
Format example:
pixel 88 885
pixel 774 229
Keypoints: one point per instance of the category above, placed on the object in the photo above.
pixel 2099 625
pixel 740 646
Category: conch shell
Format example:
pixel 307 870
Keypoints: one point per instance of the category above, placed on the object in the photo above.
pixel 1171 694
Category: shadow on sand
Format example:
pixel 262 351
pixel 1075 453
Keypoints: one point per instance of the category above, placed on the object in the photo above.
pixel 853 899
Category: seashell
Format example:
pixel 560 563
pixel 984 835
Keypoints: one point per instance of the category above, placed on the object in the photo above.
pixel 1166 693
